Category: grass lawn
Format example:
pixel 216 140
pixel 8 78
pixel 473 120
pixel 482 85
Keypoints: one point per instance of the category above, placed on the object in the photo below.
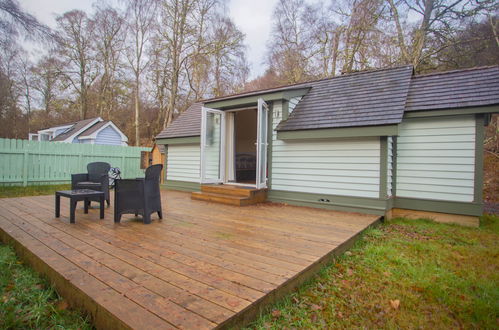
pixel 28 302
pixel 403 274
pixel 16 191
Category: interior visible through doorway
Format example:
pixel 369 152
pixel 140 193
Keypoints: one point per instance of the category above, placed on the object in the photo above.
pixel 243 161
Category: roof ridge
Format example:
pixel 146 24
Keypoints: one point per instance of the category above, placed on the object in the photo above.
pixel 477 68
pixel 304 83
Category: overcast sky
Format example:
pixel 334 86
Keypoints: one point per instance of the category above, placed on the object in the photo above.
pixel 251 16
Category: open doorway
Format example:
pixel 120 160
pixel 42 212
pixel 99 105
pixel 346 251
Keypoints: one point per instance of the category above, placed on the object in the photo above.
pixel 234 145
pixel 242 161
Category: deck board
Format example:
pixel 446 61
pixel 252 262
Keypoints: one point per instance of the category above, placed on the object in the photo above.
pixel 203 266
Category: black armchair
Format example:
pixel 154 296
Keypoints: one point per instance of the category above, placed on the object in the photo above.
pixel 139 196
pixel 97 178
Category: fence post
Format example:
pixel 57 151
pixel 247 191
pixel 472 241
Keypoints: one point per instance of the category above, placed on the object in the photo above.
pixel 25 168
pixel 123 165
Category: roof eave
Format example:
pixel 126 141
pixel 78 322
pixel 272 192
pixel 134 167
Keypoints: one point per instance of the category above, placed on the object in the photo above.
pixel 451 111
pixel 245 101
pixel 339 132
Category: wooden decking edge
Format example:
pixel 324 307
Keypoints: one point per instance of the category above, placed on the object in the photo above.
pixel 260 306
pixel 76 298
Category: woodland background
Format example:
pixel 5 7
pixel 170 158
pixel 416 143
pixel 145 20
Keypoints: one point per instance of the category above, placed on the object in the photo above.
pixel 143 62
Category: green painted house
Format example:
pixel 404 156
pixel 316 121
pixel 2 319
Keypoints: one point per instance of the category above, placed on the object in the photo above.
pixel 370 142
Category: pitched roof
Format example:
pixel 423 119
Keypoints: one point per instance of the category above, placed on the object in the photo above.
pixel 454 89
pixel 368 98
pixel 187 124
pixel 77 126
pixel 94 128
pixel 359 99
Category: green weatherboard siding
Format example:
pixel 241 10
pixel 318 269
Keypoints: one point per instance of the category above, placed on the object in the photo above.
pixel 181 185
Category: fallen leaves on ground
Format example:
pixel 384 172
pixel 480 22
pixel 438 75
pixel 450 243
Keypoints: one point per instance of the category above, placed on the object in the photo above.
pixel 62 305
pixel 395 303
pixel 315 307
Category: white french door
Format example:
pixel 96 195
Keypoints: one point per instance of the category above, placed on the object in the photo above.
pixel 261 144
pixel 212 146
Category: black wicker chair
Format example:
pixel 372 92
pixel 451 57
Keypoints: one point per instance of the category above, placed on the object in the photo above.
pixel 139 196
pixel 97 178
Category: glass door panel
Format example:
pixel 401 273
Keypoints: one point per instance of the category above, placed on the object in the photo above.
pixel 212 146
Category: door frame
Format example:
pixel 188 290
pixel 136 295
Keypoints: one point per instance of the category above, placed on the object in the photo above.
pixel 238 183
pixel 262 110
pixel 221 170
pixel 262 143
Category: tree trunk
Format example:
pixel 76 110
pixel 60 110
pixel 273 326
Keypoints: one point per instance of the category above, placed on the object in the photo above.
pixel 400 32
pixel 137 110
pixel 493 26
pixel 172 101
pixel 334 58
pixel 420 34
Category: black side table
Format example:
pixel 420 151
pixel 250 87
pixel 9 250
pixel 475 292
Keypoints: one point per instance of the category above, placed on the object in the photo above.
pixel 76 195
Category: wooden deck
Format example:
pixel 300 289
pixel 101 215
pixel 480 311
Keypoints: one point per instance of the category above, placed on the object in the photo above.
pixel 203 266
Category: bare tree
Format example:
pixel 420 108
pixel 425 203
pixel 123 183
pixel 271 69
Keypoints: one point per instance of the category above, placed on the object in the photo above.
pixel 46 79
pixel 328 37
pixel 140 21
pixel 11 116
pixel 197 69
pixel 75 45
pixel 159 73
pixel 475 45
pixel 363 18
pixel 178 33
pixel 230 68
pixel 494 26
pixel 25 80
pixel 292 45
pixel 14 21
pixel 109 27
pixel 439 21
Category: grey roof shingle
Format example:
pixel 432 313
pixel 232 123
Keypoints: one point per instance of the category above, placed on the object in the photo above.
pixel 454 89
pixel 77 126
pixel 185 125
pixel 360 99
pixel 368 98
pixel 92 129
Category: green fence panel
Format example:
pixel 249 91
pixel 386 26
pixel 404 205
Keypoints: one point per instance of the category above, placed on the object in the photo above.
pixel 24 162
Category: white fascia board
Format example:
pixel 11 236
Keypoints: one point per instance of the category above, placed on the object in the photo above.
pixel 47 130
pixel 71 138
pixel 53 129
